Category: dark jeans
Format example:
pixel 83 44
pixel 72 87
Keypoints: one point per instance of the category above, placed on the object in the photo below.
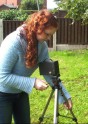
pixel 16 105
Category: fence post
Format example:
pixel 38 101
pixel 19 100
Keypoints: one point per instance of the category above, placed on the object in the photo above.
pixel 54 41
pixel 1 31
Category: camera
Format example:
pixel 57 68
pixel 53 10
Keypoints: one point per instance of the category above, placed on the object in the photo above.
pixel 49 67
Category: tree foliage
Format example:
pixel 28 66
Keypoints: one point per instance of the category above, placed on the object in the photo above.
pixel 31 4
pixel 76 9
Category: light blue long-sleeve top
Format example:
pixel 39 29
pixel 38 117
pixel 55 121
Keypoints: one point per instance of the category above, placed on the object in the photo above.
pixel 14 76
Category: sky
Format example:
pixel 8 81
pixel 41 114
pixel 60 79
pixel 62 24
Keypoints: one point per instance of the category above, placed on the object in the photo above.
pixel 51 4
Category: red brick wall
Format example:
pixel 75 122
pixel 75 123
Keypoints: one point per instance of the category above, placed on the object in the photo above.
pixel 11 2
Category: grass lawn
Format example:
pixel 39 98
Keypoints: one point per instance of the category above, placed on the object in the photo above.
pixel 74 75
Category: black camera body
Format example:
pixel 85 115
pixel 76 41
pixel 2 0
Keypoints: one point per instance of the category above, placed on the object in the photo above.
pixel 49 67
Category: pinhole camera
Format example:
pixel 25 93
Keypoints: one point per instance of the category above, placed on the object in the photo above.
pixel 49 67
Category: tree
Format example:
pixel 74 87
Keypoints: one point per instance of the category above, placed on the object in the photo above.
pixel 31 4
pixel 76 9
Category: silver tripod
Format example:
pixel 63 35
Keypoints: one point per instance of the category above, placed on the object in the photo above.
pixel 57 88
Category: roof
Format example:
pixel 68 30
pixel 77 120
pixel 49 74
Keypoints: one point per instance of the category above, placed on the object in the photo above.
pixel 8 5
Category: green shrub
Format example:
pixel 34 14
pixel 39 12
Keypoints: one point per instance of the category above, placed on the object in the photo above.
pixel 13 15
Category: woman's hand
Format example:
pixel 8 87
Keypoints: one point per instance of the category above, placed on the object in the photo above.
pixel 40 85
pixel 68 104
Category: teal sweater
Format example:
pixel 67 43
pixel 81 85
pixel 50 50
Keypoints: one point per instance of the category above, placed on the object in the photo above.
pixel 14 76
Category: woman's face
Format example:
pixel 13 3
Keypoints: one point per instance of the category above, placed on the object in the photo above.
pixel 46 34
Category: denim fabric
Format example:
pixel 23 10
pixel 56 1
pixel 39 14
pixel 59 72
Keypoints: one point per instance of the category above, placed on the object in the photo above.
pixel 16 105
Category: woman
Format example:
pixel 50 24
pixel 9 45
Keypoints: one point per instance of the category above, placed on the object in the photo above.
pixel 20 53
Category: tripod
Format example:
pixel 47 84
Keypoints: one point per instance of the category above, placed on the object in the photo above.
pixel 56 88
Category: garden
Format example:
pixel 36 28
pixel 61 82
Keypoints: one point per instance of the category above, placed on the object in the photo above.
pixel 74 75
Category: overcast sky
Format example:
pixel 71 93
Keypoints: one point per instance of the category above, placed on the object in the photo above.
pixel 51 4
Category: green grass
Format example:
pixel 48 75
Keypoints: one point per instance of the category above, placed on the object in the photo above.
pixel 74 75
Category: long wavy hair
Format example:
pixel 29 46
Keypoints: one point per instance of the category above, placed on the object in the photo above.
pixel 36 23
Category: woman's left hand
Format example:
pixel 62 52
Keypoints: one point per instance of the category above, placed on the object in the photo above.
pixel 68 104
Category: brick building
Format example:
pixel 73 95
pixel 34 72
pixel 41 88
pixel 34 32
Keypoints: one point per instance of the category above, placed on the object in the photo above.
pixel 14 3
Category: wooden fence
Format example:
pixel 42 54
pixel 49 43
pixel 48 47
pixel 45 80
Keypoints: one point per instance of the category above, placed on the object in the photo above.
pixel 9 26
pixel 68 33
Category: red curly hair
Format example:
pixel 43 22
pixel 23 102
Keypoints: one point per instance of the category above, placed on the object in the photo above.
pixel 36 24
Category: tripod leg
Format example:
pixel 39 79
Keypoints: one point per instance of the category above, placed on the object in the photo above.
pixel 42 116
pixel 56 107
pixel 74 118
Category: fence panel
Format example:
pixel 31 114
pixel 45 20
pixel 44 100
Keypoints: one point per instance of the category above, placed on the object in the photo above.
pixel 9 26
pixel 69 33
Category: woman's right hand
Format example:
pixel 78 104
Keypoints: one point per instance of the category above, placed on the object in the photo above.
pixel 40 85
pixel 68 104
